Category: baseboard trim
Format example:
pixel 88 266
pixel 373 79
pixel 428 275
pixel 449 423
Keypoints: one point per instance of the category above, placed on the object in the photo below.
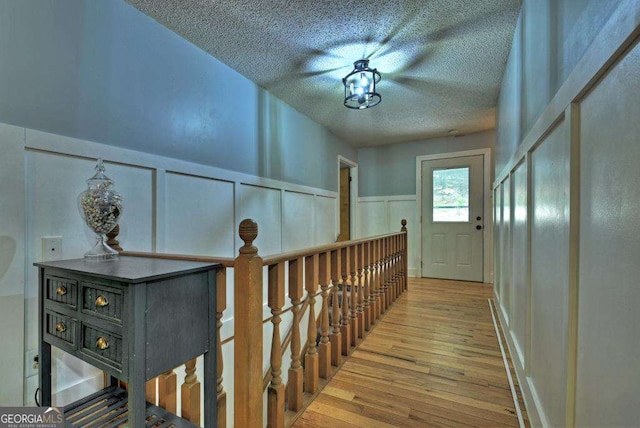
pixel 531 403
pixel 514 395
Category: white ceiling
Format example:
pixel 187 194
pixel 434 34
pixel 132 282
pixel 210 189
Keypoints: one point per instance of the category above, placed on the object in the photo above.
pixel 441 61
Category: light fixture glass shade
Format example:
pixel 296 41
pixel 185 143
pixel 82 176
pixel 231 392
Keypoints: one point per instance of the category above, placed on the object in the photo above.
pixel 360 86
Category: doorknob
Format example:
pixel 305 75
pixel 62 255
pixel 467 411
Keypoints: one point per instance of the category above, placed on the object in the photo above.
pixel 478 218
pixel 478 227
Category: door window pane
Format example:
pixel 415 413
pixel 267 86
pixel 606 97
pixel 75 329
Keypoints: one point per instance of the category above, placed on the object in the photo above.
pixel 451 195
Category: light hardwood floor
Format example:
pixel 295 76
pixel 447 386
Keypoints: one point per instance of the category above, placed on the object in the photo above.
pixel 433 360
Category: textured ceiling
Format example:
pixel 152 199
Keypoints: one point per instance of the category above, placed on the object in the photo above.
pixel 441 61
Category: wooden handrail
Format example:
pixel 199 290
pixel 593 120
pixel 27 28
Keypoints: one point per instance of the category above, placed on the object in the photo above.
pixel 223 261
pixel 270 260
pixel 282 257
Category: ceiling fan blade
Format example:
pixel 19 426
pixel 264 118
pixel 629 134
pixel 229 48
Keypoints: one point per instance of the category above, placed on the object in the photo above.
pixel 298 75
pixel 384 43
pixel 469 26
pixel 433 88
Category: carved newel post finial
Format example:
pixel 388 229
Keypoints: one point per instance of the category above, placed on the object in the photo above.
pixel 248 231
pixel 404 225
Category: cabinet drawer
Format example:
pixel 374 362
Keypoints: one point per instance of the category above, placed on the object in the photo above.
pixel 62 290
pixel 61 326
pixel 103 301
pixel 105 346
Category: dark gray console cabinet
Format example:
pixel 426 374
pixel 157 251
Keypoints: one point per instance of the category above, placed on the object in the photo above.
pixel 133 318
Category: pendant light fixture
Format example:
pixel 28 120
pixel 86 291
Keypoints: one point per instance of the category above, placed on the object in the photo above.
pixel 360 86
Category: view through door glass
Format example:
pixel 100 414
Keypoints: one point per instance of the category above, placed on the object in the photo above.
pixel 451 195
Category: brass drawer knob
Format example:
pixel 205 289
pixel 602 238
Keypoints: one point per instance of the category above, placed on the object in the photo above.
pixel 101 301
pixel 61 290
pixel 102 343
pixel 60 327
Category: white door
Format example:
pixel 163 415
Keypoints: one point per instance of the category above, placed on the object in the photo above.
pixel 452 218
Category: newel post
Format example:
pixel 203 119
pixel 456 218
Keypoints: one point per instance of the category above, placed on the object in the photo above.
pixel 111 238
pixel 248 330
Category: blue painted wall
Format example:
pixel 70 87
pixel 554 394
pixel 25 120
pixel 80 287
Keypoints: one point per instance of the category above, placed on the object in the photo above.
pixel 391 170
pixel 550 39
pixel 100 70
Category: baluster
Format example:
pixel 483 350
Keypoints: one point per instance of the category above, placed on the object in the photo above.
pixel 275 392
pixel 336 336
pixel 248 376
pixel 375 281
pixel 389 281
pixel 111 238
pixel 360 309
pixel 345 322
pixel 392 277
pixel 150 391
pixel 366 254
pixel 324 349
pixel 221 305
pixel 383 277
pixel 353 296
pixel 385 283
pixel 392 271
pixel 399 267
pixel 191 393
pixel 295 383
pixel 311 365
pixel 405 259
pixel 167 391
pixel 394 268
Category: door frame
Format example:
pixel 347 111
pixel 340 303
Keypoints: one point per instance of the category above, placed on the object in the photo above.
pixel 487 235
pixel 353 200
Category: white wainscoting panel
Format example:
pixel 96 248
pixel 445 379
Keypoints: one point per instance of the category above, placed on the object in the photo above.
pixel 136 187
pixel 199 215
pixel 53 185
pixel 264 205
pixel 519 263
pixel 497 239
pixel 406 209
pixel 608 358
pixel 505 248
pixel 379 215
pixel 550 272
pixel 324 219
pixel 298 221
pixel 373 217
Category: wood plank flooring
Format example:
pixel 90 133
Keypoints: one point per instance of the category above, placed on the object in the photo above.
pixel 433 360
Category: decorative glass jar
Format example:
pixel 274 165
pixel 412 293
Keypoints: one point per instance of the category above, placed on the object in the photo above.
pixel 100 207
